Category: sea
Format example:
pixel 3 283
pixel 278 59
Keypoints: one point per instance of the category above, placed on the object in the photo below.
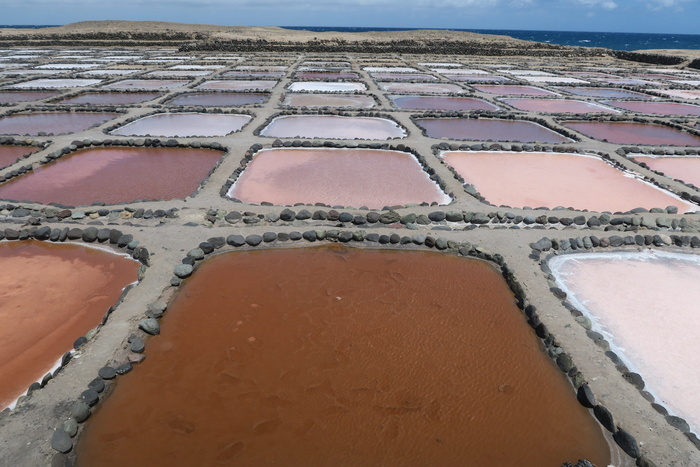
pixel 608 40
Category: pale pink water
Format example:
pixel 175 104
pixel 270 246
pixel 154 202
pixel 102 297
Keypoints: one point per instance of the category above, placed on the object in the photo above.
pixel 553 179
pixel 332 126
pixel 10 97
pixel 254 74
pixel 659 108
pixel 441 103
pixel 238 85
pixel 404 76
pixel 326 75
pixel 114 175
pixel 219 98
pixel 476 78
pixel 184 125
pixel 646 304
pixel 427 88
pixel 635 133
pixel 329 100
pixel 111 98
pixel 147 84
pixel 10 154
pixel 686 168
pixel 484 129
pixel 604 92
pixel 558 106
pixel 53 122
pixel 511 90
pixel 348 177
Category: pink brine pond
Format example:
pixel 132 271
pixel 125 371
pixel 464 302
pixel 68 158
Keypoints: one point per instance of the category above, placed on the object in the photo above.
pixel 332 126
pixel 56 123
pixel 10 154
pixel 635 133
pixel 686 168
pixel 421 88
pixel 348 177
pixel 551 179
pixel 219 99
pixel 239 85
pixel 558 106
pixel 441 103
pixel 512 90
pixel 110 98
pixel 114 175
pixel 645 304
pixel 485 129
pixel 184 125
pixel 328 100
pixel 658 108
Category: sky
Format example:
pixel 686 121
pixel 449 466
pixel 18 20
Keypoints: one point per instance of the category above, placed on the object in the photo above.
pixel 653 16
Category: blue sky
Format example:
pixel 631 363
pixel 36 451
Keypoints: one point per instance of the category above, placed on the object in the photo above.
pixel 658 16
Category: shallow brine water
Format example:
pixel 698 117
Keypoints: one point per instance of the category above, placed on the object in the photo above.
pixel 332 126
pixel 346 177
pixel 110 98
pixel 10 97
pixel 114 175
pixel 51 294
pixel 646 306
pixel 147 84
pixel 484 129
pixel 658 108
pixel 441 103
pixel 184 125
pixel 357 358
pixel 238 85
pixel 558 106
pixel 216 99
pixel 604 92
pixel 512 90
pixel 57 123
pixel 553 179
pixel 10 154
pixel 327 86
pixel 421 88
pixel 635 133
pixel 686 168
pixel 327 100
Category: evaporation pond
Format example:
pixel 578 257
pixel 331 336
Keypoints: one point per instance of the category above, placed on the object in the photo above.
pixel 686 168
pixel 328 100
pixel 659 108
pixel 238 85
pixel 114 175
pixel 51 294
pixel 10 154
pixel 441 103
pixel 635 133
pixel 57 123
pixel 604 92
pixel 110 98
pixel 347 177
pixel 512 90
pixel 520 179
pixel 325 86
pixel 341 356
pixel 219 99
pixel 645 304
pixel 11 97
pixel 557 106
pixel 483 129
pixel 184 125
pixel 332 126
pixel 422 88
pixel 147 84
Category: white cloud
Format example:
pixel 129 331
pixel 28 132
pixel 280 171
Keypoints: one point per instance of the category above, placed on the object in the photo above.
pixel 604 4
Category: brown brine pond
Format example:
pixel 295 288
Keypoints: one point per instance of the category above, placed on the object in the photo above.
pixel 484 129
pixel 114 175
pixel 332 126
pixel 634 133
pixel 56 123
pixel 51 294
pixel 338 356
pixel 347 177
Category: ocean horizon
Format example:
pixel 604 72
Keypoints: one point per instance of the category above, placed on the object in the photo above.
pixel 608 40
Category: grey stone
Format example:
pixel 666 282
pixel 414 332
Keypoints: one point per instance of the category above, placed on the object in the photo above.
pixel 253 240
pixel 604 417
pixel 183 270
pixel 61 442
pixel 454 216
pixel 437 216
pixel 269 237
pixel 235 240
pixel 390 217
pixel 196 254
pixel 98 384
pixel 70 426
pixel 150 326
pixel 137 345
pixel 233 217
pixel 106 372
pixel 585 396
pixel 627 442
pixel 80 411
pixel 90 397
pixel 287 215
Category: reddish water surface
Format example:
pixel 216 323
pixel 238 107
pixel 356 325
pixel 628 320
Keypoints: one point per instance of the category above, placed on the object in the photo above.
pixel 57 123
pixel 10 154
pixel 333 126
pixel 686 168
pixel 659 108
pixel 552 179
pixel 441 103
pixel 476 78
pixel 184 125
pixel 111 98
pixel 604 92
pixel 114 175
pixel 147 84
pixel 51 294
pixel 484 129
pixel 239 85
pixel 634 133
pixel 658 287
pixel 10 97
pixel 335 356
pixel 404 76
pixel 558 106
pixel 421 88
pixel 254 74
pixel 327 100
pixel 511 90
pixel 326 75
pixel 347 177
pixel 219 99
